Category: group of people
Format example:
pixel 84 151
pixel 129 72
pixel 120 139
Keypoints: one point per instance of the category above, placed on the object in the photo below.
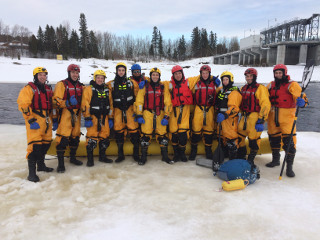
pixel 142 107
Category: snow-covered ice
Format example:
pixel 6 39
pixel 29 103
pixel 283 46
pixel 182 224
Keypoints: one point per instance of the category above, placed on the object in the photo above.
pixel 155 201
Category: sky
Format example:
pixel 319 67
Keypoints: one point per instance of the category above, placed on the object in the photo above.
pixel 173 18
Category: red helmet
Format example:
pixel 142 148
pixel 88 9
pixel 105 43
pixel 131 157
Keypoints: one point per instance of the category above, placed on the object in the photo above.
pixel 205 68
pixel 281 67
pixel 176 69
pixel 252 71
pixel 73 67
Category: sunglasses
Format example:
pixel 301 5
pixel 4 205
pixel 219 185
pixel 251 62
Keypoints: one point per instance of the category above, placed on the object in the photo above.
pixel 136 71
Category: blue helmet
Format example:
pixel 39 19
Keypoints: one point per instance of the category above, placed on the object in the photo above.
pixel 136 67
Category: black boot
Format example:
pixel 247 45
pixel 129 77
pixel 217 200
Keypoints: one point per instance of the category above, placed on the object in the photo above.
pixel 120 157
pixel 144 153
pixel 40 161
pixel 73 159
pixel 232 150
pixel 194 150
pixel 251 158
pixel 136 152
pixel 182 154
pixel 275 159
pixel 208 150
pixel 102 153
pixel 242 152
pixel 176 154
pixel 225 150
pixel 32 177
pixel 60 168
pixel 289 171
pixel 164 154
pixel 90 161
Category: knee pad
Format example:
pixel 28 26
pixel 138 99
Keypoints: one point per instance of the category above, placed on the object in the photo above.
pixel 253 144
pixel 286 141
pixel 135 138
pixel 208 138
pixel 64 142
pixel 92 144
pixel 195 138
pixel 104 143
pixel 145 141
pixel 119 138
pixel 164 141
pixel 74 142
pixel 175 138
pixel 183 138
pixel 275 142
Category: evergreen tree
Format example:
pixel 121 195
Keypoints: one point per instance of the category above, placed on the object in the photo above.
pixel 161 52
pixel 84 36
pixel 74 44
pixel 204 43
pixel 50 40
pixel 182 49
pixel 33 45
pixel 62 41
pixel 155 41
pixel 40 38
pixel 195 42
pixel 93 45
pixel 151 51
pixel 213 43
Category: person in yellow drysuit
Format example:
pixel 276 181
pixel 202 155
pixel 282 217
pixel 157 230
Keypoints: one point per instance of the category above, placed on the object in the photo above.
pixel 35 103
pixel 124 91
pixel 285 95
pixel 204 94
pixel 228 106
pixel 255 107
pixel 153 107
pixel 97 109
pixel 67 98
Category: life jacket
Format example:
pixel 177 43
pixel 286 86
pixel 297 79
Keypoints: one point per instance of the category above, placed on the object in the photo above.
pixel 99 104
pixel 280 96
pixel 153 99
pixel 41 100
pixel 123 94
pixel 249 101
pixel 73 90
pixel 222 99
pixel 204 95
pixel 180 93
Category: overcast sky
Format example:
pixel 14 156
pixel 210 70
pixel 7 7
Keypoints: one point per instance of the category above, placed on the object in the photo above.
pixel 172 17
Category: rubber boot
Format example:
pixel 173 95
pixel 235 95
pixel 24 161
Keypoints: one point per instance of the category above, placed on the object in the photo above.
pixel 194 151
pixel 90 161
pixel 60 168
pixel 289 171
pixel 73 159
pixel 136 152
pixel 144 153
pixel 32 177
pixel 102 154
pixel 120 153
pixel 242 152
pixel 182 154
pixel 232 150
pixel 251 158
pixel 164 154
pixel 40 160
pixel 208 150
pixel 225 150
pixel 176 154
pixel 275 159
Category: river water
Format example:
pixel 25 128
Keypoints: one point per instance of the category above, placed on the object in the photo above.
pixel 308 119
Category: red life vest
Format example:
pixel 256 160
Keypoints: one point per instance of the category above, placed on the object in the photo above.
pixel 41 100
pixel 72 90
pixel 180 94
pixel 249 101
pixel 204 95
pixel 281 97
pixel 153 99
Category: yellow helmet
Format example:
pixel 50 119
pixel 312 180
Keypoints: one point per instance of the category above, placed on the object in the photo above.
pixel 39 70
pixel 155 70
pixel 227 74
pixel 99 72
pixel 121 64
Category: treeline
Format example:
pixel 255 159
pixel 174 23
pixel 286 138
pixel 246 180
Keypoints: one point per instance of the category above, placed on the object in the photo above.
pixel 84 43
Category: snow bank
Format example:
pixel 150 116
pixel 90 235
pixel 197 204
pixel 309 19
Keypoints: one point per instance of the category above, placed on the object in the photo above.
pixel 155 201
pixel 20 71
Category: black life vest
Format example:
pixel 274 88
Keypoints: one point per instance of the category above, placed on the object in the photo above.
pixel 222 99
pixel 249 101
pixel 100 104
pixel 123 94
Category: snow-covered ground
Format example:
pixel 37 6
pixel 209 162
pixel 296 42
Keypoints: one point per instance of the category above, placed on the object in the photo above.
pixel 155 201
pixel 21 70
